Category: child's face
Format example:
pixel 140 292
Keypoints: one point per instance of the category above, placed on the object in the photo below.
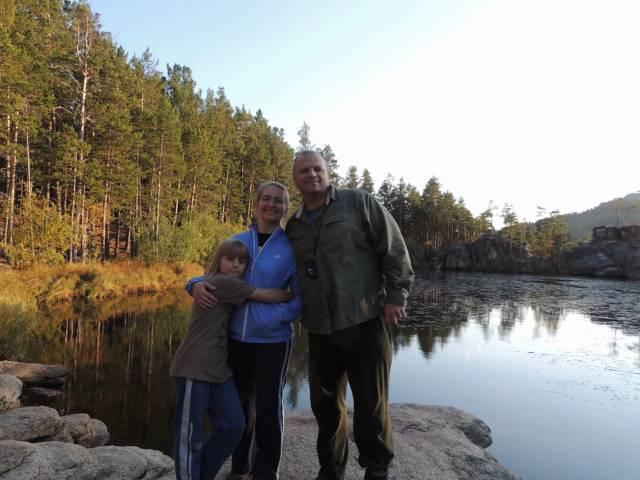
pixel 232 266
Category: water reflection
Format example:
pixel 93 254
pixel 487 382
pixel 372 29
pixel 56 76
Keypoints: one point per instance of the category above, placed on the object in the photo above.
pixel 119 352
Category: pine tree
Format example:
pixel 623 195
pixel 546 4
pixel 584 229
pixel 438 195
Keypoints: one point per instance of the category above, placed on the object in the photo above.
pixel 304 136
pixel 351 180
pixel 332 162
pixel 366 182
pixel 385 192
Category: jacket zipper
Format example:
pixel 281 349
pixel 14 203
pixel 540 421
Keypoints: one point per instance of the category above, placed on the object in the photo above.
pixel 254 238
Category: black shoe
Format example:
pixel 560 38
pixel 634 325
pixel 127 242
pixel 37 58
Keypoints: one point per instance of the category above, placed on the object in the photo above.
pixel 370 474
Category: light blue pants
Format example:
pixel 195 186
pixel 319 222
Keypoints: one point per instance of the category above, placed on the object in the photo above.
pixel 197 457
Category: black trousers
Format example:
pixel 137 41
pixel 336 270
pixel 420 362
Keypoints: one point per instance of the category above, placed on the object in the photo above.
pixel 259 372
pixel 360 355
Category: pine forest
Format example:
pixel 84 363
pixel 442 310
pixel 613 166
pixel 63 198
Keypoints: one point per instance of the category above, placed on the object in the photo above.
pixel 106 156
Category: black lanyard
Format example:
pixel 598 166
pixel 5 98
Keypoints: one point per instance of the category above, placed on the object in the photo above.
pixel 316 237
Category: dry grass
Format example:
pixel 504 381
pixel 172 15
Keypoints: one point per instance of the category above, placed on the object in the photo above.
pixel 52 285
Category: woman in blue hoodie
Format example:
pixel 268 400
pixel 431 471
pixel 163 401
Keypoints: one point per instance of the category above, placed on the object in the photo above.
pixel 260 336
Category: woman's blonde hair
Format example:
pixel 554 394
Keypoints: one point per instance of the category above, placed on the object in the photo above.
pixel 230 248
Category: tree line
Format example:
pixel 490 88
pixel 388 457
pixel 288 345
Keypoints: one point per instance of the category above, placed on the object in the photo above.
pixel 104 156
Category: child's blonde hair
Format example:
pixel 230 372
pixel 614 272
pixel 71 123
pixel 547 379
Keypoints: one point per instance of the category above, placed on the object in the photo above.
pixel 230 248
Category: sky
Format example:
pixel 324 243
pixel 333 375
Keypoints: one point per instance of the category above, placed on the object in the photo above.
pixel 526 102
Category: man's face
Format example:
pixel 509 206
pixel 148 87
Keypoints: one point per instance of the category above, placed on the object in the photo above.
pixel 310 174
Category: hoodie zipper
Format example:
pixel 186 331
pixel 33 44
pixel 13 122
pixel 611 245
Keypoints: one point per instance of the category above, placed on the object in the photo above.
pixel 254 238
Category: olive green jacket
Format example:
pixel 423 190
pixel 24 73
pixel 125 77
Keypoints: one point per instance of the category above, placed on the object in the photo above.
pixel 361 261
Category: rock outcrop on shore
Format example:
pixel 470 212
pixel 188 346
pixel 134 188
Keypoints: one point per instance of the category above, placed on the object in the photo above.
pixel 36 443
pixel 431 443
pixel 36 379
pixel 60 460
pixel 492 253
pixel 42 424
pixel 35 373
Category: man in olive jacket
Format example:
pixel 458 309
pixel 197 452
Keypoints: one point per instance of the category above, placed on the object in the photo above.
pixel 355 276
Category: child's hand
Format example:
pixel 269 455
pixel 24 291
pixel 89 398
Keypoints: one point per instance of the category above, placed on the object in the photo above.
pixel 282 295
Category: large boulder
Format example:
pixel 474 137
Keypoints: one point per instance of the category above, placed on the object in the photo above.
pixel 38 424
pixel 29 423
pixel 81 429
pixel 626 254
pixel 430 443
pixel 589 259
pixel 33 373
pixel 59 460
pixel 10 391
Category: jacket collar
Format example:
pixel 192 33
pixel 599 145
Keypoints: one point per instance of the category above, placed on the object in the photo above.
pixel 332 195
pixel 254 236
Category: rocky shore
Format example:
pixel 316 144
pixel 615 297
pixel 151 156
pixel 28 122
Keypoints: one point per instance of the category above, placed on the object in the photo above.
pixel 36 443
pixel 613 258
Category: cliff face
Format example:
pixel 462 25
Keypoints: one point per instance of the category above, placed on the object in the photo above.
pixel 617 258
pixel 609 258
pixel 492 253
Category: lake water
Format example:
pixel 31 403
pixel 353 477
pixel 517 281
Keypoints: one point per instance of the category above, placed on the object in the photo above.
pixel 551 364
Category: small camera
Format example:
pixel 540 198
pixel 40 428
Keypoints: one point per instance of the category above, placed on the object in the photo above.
pixel 311 269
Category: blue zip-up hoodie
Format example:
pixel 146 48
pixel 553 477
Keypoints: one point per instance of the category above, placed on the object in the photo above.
pixel 273 266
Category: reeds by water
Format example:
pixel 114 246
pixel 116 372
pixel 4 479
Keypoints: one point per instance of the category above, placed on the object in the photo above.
pixel 23 293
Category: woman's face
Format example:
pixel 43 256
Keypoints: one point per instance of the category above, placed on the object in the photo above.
pixel 271 208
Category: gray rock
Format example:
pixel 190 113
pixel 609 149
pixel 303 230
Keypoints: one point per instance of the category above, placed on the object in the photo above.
pixel 83 430
pixel 32 373
pixel 589 259
pixel 617 258
pixel 10 391
pixel 56 382
pixel 492 253
pixel 43 424
pixel 457 258
pixel 46 461
pixel 79 427
pixel 100 433
pixel 430 443
pixel 132 462
pixel 42 392
pixel 29 423
pixel 65 461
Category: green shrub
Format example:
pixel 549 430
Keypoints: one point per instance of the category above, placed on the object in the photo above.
pixel 193 241
pixel 40 235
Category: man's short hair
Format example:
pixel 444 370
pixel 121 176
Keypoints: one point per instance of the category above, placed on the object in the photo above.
pixel 304 153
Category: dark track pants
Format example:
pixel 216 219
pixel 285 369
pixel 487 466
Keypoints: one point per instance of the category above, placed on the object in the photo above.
pixel 360 355
pixel 260 371
pixel 197 458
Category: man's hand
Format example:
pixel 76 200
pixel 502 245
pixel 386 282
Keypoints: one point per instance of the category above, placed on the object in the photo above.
pixel 393 313
pixel 203 295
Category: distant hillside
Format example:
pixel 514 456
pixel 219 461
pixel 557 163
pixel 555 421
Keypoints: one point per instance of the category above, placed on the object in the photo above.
pixel 617 212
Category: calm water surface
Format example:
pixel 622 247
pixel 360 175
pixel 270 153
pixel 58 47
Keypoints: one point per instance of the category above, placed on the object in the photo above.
pixel 551 364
